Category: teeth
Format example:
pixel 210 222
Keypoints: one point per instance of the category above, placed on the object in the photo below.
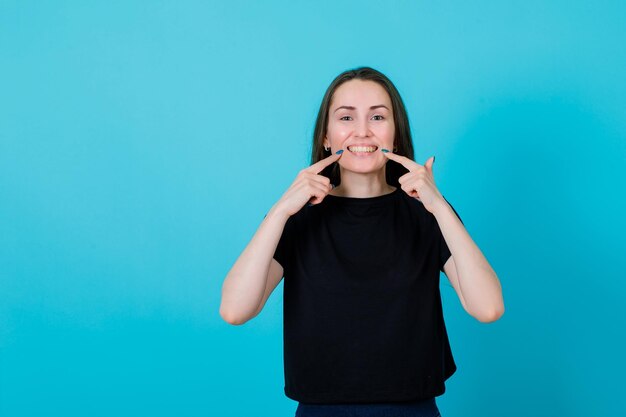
pixel 361 148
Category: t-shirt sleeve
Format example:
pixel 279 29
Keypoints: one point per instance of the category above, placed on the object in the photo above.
pixel 444 251
pixel 282 254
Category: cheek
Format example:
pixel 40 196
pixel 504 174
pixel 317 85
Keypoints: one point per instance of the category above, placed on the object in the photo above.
pixel 385 133
pixel 338 133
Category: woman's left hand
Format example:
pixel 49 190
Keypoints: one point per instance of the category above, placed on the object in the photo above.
pixel 419 182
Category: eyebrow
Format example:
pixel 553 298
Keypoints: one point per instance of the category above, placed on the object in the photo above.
pixel 354 108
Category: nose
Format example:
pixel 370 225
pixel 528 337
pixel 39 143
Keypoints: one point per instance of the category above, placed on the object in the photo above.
pixel 362 128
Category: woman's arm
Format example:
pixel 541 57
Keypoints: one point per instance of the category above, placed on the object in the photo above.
pixel 475 281
pixel 244 286
pixel 469 272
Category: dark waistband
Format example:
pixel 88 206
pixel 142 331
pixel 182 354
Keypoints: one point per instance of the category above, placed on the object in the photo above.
pixel 423 407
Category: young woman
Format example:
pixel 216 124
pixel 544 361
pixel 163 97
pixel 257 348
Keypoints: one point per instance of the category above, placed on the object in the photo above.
pixel 360 237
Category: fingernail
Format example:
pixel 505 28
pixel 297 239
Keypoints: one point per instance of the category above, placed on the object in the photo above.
pixel 339 152
pixel 385 150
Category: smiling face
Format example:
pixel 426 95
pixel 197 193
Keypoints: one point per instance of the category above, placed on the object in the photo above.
pixel 360 121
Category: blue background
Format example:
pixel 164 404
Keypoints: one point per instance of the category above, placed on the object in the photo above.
pixel 142 142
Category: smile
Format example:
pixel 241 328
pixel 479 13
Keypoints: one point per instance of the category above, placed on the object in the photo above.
pixel 362 149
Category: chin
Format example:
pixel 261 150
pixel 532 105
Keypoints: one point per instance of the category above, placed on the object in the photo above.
pixel 362 168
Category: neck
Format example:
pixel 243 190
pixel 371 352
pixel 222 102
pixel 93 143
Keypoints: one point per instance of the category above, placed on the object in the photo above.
pixel 362 185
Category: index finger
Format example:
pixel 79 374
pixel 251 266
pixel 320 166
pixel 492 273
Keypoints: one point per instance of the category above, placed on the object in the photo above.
pixel 317 167
pixel 402 160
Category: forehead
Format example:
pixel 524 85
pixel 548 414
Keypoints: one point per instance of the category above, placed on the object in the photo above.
pixel 360 93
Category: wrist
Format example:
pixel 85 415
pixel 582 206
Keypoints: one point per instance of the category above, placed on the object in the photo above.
pixel 441 206
pixel 276 212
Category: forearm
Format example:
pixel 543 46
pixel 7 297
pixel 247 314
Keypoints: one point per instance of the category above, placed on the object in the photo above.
pixel 478 282
pixel 244 286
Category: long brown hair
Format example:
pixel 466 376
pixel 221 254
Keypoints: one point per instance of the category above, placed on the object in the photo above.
pixel 403 145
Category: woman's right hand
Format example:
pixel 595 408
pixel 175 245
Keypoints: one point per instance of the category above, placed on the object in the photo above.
pixel 308 186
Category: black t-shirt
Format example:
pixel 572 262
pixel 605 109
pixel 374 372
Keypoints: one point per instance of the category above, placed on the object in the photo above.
pixel 363 321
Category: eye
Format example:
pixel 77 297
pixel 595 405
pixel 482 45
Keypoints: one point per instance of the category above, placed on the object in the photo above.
pixel 344 117
pixel 378 115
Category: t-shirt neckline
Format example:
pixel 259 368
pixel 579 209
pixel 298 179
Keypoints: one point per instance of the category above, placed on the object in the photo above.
pixel 362 200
